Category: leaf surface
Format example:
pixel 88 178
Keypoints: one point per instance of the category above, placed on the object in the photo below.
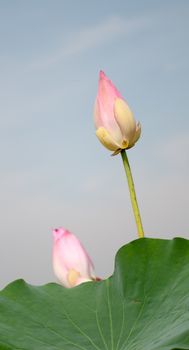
pixel 143 306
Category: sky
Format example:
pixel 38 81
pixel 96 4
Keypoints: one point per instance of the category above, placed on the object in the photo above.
pixel 54 171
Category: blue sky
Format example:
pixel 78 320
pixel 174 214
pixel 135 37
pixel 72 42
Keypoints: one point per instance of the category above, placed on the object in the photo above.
pixel 54 172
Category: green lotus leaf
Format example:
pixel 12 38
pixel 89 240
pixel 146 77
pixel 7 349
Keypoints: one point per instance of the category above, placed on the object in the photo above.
pixel 143 306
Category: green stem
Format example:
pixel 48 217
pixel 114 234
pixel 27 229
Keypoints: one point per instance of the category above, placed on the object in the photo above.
pixel 132 194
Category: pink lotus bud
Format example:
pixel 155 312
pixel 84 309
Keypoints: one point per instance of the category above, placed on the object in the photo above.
pixel 114 121
pixel 71 263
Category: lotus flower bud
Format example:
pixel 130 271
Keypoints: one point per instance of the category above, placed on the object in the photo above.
pixel 71 263
pixel 116 127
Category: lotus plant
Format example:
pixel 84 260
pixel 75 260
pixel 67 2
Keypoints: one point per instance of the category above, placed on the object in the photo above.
pixel 71 263
pixel 116 127
pixel 117 130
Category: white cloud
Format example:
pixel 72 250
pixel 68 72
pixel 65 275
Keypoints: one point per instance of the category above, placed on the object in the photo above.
pixel 92 37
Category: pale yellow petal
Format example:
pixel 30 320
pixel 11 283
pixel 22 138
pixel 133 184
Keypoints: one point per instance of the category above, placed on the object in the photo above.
pixel 106 139
pixel 137 132
pixel 136 135
pixel 125 119
pixel 72 277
